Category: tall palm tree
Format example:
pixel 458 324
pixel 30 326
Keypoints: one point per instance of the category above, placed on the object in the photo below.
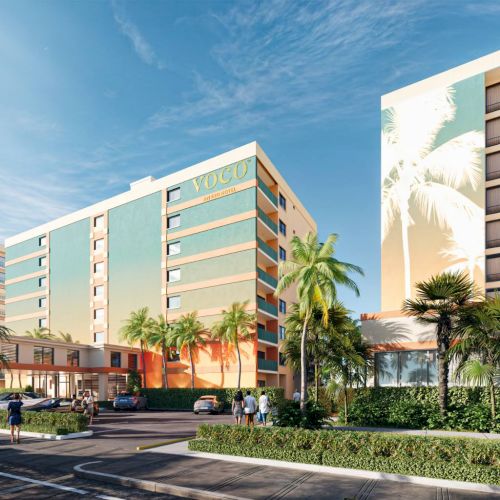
pixel 137 328
pixel 316 273
pixel 161 338
pixel 67 337
pixel 41 333
pixel 421 175
pixel 237 325
pixel 438 302
pixel 189 333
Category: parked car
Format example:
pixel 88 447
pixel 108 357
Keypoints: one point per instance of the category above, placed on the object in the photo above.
pixel 208 404
pixel 47 405
pixel 129 401
pixel 27 401
pixel 9 396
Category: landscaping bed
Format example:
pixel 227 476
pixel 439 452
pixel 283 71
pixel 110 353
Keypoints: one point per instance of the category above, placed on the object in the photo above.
pixel 459 459
pixel 49 422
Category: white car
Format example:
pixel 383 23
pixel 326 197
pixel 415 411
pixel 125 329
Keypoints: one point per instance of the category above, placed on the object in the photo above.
pixel 27 401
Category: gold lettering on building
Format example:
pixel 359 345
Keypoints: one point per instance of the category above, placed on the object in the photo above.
pixel 222 176
pixel 219 194
pixel 213 177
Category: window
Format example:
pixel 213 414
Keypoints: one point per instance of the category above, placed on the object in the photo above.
pixel 132 362
pixel 174 248
pixel 99 291
pixel 43 355
pixel 42 302
pixel 174 221
pixel 282 253
pixel 282 332
pixel 42 261
pixel 10 351
pixel 116 359
pixel 2 261
pixel 174 355
pixel 174 302
pixel 282 202
pixel 493 268
pixel 72 358
pixel 174 194
pixel 42 323
pixel 99 314
pixel 261 355
pixel 42 241
pixel 282 306
pixel 282 228
pixel 173 275
pixel 42 282
pixel 261 383
pixel 2 277
pixel 99 268
pixel 99 222
pixel 282 359
pixel 99 337
pixel 99 244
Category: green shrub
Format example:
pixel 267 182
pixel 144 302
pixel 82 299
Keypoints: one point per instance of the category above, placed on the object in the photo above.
pixel 289 415
pixel 10 389
pixel 49 422
pixel 134 381
pixel 183 399
pixel 28 388
pixel 462 459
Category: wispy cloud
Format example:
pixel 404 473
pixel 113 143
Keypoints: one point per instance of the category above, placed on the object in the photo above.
pixel 141 46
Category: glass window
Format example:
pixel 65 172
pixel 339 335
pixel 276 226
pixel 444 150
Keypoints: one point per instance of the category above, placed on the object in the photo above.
pixel 116 359
pixel 282 306
pixel 2 261
pixel 72 358
pixel 2 277
pixel 386 365
pixel 282 228
pixel 42 323
pixel 42 261
pixel 174 248
pixel 282 359
pixel 132 362
pixel 99 268
pixel 174 302
pixel 173 275
pixel 99 291
pixel 174 221
pixel 282 202
pixel 42 302
pixel 282 253
pixel 43 355
pixel 10 351
pixel 174 194
pixel 98 314
pixel 99 337
pixel 42 282
pixel 42 241
pixel 174 355
pixel 261 354
pixel 413 368
pixel 282 332
pixel 99 244
pixel 99 222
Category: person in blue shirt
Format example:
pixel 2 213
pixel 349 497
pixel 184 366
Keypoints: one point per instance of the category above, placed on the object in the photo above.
pixel 14 417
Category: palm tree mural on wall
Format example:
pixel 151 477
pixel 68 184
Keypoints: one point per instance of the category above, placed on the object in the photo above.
pixel 423 175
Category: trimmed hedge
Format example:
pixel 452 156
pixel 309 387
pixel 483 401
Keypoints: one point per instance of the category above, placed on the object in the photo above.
pixel 10 389
pixel 418 408
pixel 49 422
pixel 460 459
pixel 183 399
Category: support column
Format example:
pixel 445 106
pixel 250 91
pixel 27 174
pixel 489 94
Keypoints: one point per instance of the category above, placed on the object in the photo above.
pixel 103 387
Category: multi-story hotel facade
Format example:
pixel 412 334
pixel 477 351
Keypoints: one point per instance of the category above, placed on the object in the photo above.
pixel 440 166
pixel 196 240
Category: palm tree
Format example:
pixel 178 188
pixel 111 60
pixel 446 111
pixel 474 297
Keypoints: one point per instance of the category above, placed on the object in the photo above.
pixel 189 333
pixel 5 334
pixel 438 302
pixel 138 329
pixel 67 337
pixel 315 272
pixel 237 325
pixel 161 337
pixel 419 174
pixel 41 333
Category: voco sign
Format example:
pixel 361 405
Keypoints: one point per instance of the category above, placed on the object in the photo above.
pixel 221 177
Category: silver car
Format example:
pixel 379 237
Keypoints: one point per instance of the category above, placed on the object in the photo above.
pixel 128 401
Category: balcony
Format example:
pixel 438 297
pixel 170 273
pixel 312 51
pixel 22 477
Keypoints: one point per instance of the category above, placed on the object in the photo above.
pixel 492 175
pixel 267 365
pixel 273 227
pixel 492 141
pixel 267 279
pixel 265 189
pixel 492 243
pixel 492 277
pixel 492 209
pixel 265 336
pixel 268 251
pixel 267 308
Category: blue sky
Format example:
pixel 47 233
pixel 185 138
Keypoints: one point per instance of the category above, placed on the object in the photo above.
pixel 94 95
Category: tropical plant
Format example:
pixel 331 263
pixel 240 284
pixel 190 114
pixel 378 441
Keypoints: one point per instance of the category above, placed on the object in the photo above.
pixel 134 382
pixel 161 338
pixel 316 273
pixel 41 333
pixel 5 334
pixel 137 328
pixel 421 175
pixel 67 337
pixel 237 325
pixel 189 334
pixel 438 302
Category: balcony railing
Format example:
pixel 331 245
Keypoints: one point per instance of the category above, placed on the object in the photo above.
pixel 267 364
pixel 267 336
pixel 493 174
pixel 492 141
pixel 493 277
pixel 494 106
pixel 492 243
pixel 267 221
pixel 267 307
pixel 265 189
pixel 492 209
pixel 266 278
pixel 271 252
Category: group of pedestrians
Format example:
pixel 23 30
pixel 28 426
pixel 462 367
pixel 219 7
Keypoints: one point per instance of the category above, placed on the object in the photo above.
pixel 87 403
pixel 249 407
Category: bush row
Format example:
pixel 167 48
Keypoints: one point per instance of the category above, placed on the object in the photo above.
pixel 459 459
pixel 183 399
pixel 10 389
pixel 49 422
pixel 418 407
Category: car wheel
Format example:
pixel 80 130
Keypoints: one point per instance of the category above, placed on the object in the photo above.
pixel 116 409
pixel 196 412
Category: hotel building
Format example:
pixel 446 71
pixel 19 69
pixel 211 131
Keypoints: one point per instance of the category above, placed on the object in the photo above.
pixel 440 165
pixel 198 239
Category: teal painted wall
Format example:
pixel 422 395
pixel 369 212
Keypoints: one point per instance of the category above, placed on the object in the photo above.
pixel 134 265
pixel 22 307
pixel 69 280
pixel 23 248
pixel 25 267
pixel 22 287
pixel 22 326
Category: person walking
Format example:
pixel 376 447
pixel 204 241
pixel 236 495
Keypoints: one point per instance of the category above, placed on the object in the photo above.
pixel 14 417
pixel 250 408
pixel 74 402
pixel 88 406
pixel 264 407
pixel 237 407
pixel 296 396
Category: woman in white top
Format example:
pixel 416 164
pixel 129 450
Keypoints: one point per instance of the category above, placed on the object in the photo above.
pixel 88 405
pixel 250 409
pixel 264 407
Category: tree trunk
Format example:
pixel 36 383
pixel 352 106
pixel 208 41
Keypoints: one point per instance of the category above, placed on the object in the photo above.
pixel 143 357
pixel 303 368
pixel 192 367
pixel 239 363
pixel 316 382
pixel 405 224
pixel 346 416
pixel 493 402
pixel 443 377
pixel 164 366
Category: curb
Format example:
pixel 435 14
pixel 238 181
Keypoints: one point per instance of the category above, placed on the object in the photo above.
pixel 51 437
pixel 142 484
pixel 164 443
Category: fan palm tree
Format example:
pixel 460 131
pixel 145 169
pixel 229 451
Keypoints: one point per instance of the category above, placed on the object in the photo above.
pixel 420 174
pixel 438 302
pixel 137 328
pixel 41 333
pixel 161 338
pixel 237 325
pixel 316 272
pixel 67 337
pixel 189 333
